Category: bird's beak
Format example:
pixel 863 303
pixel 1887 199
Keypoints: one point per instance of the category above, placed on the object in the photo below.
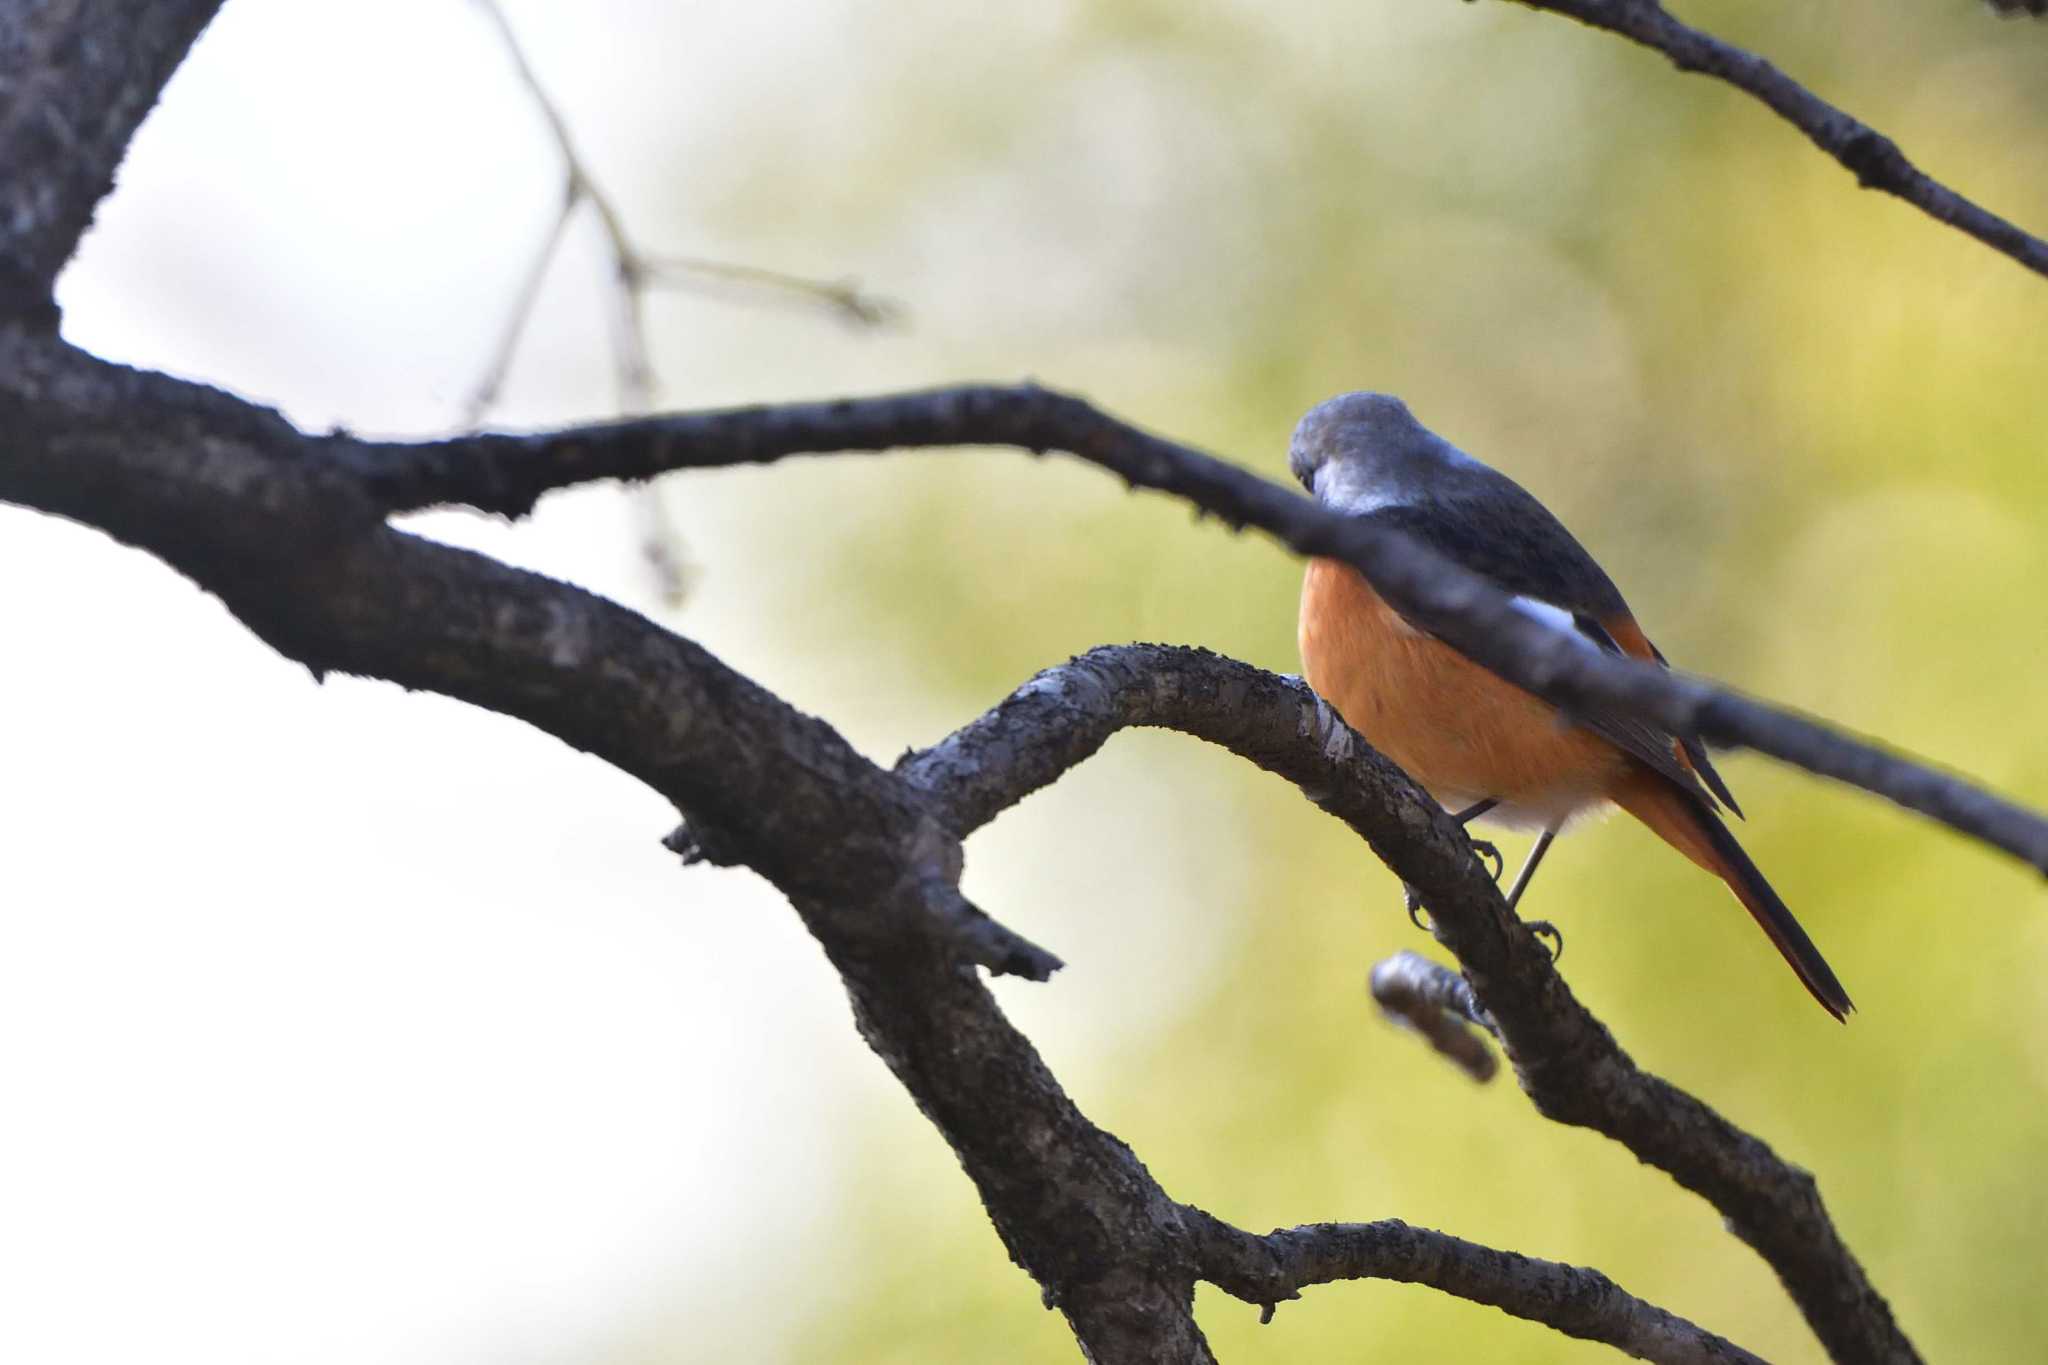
pixel 1319 482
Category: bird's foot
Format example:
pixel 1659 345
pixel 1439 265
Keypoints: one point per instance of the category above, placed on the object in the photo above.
pixel 1489 854
pixel 1544 929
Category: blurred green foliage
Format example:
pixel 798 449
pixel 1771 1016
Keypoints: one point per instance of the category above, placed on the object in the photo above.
pixel 1801 424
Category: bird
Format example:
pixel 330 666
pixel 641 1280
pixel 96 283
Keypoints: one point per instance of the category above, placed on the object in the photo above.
pixel 1482 747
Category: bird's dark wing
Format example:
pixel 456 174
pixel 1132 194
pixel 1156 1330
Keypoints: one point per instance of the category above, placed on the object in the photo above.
pixel 1512 540
pixel 1696 752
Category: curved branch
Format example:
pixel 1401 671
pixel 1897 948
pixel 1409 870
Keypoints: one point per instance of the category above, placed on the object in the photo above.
pixel 220 489
pixel 1577 1301
pixel 1874 159
pixel 499 472
pixel 1564 1058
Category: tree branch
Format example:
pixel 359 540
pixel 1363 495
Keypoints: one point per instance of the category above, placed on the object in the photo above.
pixel 500 472
pixel 1564 1058
pixel 1874 159
pixel 1573 1299
pixel 1436 1003
pixel 222 491
pixel 80 76
pixel 230 495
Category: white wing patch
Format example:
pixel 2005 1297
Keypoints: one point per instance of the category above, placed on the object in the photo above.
pixel 1552 615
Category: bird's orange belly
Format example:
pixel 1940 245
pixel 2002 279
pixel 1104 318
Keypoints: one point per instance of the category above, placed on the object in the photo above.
pixel 1461 732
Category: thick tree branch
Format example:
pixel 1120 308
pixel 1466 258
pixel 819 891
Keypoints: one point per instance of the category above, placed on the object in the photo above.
pixel 1874 159
pixel 1073 1205
pixel 79 77
pixel 222 491
pixel 1564 1058
pixel 1576 1301
pixel 505 473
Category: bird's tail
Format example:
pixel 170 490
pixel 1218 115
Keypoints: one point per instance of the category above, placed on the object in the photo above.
pixel 1687 823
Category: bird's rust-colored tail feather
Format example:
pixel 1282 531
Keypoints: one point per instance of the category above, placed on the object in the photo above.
pixel 1685 822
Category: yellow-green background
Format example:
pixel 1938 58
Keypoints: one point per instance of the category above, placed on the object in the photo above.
pixel 1801 424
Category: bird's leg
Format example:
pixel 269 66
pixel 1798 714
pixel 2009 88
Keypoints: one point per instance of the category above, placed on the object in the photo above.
pixel 1529 868
pixel 1539 927
pixel 1480 846
pixel 1485 850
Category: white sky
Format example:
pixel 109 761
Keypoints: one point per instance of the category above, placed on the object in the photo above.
pixel 339 1024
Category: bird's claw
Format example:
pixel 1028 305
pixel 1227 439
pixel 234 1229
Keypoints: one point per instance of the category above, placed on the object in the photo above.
pixel 1412 901
pixel 1544 929
pixel 1489 854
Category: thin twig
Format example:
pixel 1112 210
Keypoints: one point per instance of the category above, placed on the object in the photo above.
pixel 842 299
pixel 630 273
pixel 633 271
pixel 1874 159
pixel 488 386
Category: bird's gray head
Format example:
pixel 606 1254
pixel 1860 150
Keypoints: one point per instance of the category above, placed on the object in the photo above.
pixel 1359 452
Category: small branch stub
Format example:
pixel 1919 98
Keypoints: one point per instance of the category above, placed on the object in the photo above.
pixel 1436 1002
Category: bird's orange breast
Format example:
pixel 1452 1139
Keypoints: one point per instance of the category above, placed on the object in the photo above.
pixel 1461 732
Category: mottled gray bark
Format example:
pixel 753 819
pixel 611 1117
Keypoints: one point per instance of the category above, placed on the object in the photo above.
pixel 1580 1302
pixel 76 79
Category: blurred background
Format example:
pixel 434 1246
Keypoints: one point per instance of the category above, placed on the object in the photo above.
pixel 346 1025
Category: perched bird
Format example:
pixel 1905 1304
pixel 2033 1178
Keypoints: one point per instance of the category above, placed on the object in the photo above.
pixel 1480 745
